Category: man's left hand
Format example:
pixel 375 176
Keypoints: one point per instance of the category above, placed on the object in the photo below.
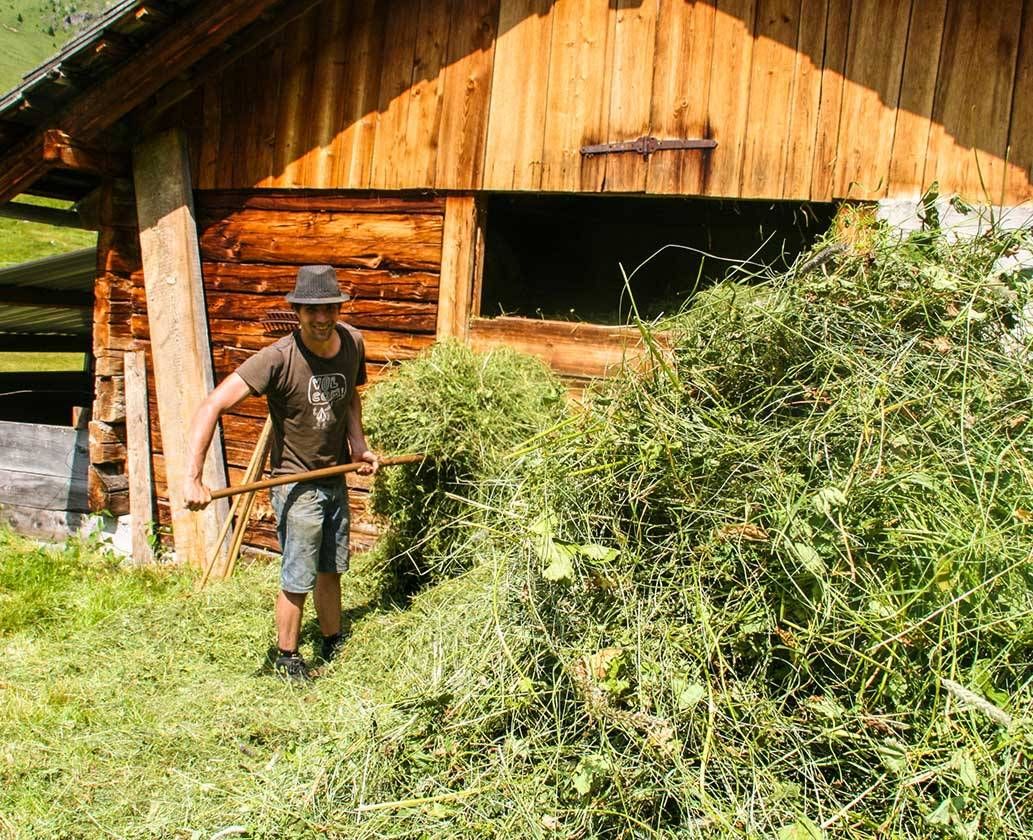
pixel 371 465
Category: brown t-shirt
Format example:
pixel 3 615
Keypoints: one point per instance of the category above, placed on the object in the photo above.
pixel 308 398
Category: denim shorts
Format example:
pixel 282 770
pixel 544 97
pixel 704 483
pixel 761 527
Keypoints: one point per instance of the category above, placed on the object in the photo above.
pixel 312 523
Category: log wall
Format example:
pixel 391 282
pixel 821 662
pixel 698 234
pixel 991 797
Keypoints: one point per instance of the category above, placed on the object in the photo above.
pixel 807 99
pixel 387 252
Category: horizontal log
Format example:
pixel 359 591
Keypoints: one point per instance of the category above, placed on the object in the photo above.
pixel 574 349
pixel 357 282
pixel 108 492
pixel 66 152
pixel 216 201
pixel 360 240
pixel 114 286
pixel 109 403
pixel 108 363
pixel 42 491
pixel 58 451
pixel 112 338
pixel 381 345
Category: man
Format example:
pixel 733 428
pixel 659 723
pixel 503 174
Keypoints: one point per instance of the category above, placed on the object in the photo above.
pixel 309 378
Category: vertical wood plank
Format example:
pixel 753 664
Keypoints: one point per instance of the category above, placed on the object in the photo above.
pixel 681 92
pixel 769 118
pixel 730 94
pixel 458 258
pixel 917 88
pixel 969 135
pixel 295 96
pixel 578 95
pixel 266 105
pixel 806 101
pixel 466 94
pixel 316 165
pixel 519 93
pixel 357 114
pixel 209 164
pixel 631 93
pixel 830 107
pixel 423 120
pixel 178 327
pixel 138 446
pixel 389 144
pixel 875 60
pixel 1018 185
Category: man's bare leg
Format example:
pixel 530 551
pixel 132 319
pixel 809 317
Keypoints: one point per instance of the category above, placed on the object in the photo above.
pixel 289 607
pixel 327 598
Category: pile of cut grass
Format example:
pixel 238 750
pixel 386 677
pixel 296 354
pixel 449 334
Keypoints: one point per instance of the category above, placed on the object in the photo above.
pixel 776 584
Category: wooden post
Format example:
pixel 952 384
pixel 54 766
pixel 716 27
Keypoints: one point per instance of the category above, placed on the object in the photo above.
pixel 138 445
pixel 178 324
pixel 458 263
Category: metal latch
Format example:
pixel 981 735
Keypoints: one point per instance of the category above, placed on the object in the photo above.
pixel 645 146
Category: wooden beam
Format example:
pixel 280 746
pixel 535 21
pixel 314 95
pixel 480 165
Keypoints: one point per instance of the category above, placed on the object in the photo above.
pixel 178 324
pixel 44 298
pixel 138 444
pixel 181 45
pixel 458 258
pixel 42 215
pixel 66 153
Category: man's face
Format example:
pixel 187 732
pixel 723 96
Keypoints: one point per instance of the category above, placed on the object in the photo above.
pixel 317 320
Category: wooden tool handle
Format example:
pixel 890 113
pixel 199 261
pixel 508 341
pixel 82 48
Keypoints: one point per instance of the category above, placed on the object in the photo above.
pixel 312 475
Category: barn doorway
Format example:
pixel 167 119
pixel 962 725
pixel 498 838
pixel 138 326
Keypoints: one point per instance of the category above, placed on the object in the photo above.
pixel 559 258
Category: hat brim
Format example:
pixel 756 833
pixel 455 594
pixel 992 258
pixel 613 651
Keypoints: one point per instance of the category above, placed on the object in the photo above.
pixel 292 298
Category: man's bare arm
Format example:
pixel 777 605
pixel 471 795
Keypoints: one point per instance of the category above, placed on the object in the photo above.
pixel 231 391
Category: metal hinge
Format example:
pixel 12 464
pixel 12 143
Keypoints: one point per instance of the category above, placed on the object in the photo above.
pixel 645 146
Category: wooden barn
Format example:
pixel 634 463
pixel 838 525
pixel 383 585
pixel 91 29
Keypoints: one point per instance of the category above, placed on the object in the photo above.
pixel 473 170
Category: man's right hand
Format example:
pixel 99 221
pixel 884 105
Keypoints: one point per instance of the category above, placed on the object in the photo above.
pixel 196 496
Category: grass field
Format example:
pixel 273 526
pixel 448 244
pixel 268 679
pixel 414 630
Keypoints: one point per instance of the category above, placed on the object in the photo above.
pixel 12 362
pixel 23 241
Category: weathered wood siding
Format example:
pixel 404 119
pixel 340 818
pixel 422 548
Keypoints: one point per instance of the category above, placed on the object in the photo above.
pixel 807 99
pixel 387 251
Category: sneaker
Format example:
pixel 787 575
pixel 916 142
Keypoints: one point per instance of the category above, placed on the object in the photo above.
pixel 331 647
pixel 292 669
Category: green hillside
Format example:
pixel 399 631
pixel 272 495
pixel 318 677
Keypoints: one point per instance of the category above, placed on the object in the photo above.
pixel 33 30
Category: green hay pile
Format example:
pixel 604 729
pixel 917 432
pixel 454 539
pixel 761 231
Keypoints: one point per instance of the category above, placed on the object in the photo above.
pixel 775 584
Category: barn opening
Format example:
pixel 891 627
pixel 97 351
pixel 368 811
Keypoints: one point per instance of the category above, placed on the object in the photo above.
pixel 559 258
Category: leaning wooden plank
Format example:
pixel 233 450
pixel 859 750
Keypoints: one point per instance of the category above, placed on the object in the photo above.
pixel 389 240
pixel 46 492
pixel 184 42
pixel 178 327
pixel 47 450
pixel 138 445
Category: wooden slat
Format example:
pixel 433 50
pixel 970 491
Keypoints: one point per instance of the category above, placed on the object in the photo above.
pixel 969 135
pixel 1018 185
pixel 466 88
pixel 914 113
pixel 576 349
pixel 296 94
pixel 772 89
pixel 138 468
pixel 875 60
pixel 370 284
pixel 211 203
pixel 578 102
pixel 806 101
pixel 730 94
pixel 388 240
pixel 681 92
pixel 634 43
pixel 519 94
pixel 42 491
pixel 58 451
pixel 261 137
pixel 458 250
pixel 178 328
pixel 831 105
pixel 396 78
pixel 357 115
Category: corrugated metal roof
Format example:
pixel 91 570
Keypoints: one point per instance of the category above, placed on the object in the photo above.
pixel 50 277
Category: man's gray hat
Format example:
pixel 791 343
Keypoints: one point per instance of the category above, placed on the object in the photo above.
pixel 317 284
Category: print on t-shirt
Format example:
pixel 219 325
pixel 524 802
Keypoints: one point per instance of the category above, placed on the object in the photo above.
pixel 323 392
